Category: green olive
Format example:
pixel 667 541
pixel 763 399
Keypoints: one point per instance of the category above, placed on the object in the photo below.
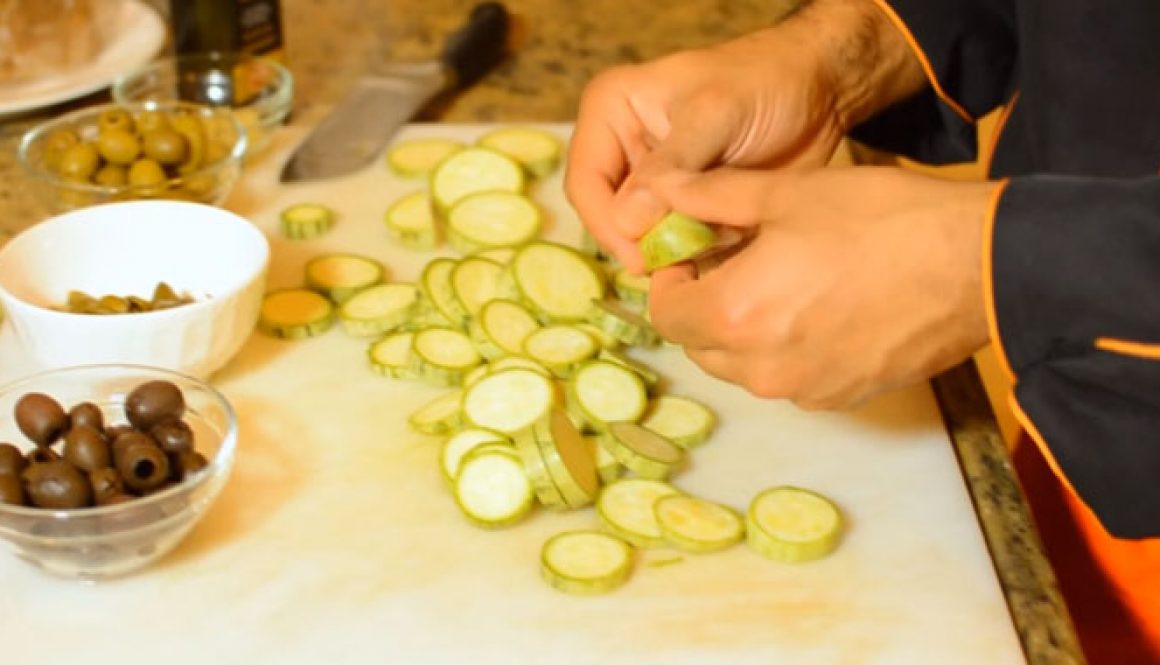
pixel 79 162
pixel 146 174
pixel 166 146
pixel 11 489
pixel 11 459
pixel 57 485
pixel 111 175
pixel 115 119
pixel 86 448
pixel 55 145
pixel 151 120
pixel 118 146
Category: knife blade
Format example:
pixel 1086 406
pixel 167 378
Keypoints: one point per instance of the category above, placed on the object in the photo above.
pixel 353 134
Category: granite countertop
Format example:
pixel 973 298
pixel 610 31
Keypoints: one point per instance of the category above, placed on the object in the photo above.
pixel 559 45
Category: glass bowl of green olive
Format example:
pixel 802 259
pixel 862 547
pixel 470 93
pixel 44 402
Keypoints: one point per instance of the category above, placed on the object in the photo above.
pixel 104 469
pixel 119 152
pixel 258 89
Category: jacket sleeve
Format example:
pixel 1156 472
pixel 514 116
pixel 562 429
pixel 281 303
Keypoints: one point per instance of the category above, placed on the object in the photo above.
pixel 968 50
pixel 1075 307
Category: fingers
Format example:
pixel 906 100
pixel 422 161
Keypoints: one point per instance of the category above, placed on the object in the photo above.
pixel 727 196
pixel 681 306
pixel 607 142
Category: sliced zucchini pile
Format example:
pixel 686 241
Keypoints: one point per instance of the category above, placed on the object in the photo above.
pixel 544 403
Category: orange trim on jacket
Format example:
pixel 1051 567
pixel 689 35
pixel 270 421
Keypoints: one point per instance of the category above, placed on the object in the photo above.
pixel 988 280
pixel 1145 350
pixel 924 61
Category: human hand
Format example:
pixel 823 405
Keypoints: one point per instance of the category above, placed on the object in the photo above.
pixel 782 97
pixel 857 280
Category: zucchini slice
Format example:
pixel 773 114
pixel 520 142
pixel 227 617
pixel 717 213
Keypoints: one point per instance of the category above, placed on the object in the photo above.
pixel 570 463
pixel 416 158
pixel 439 416
pixel 546 491
pixel 491 487
pixel 585 562
pixel 607 467
pixel 378 309
pixel 646 373
pixel 473 282
pixel 509 400
pixel 683 420
pixel 473 170
pixel 557 280
pixel 560 348
pixel 521 362
pixel 501 327
pixel 493 219
pixel 442 356
pixel 677 237
pixel 535 149
pixel 618 322
pixel 391 356
pixel 644 452
pixel 632 289
pixel 625 507
pixel 696 525
pixel 435 283
pixel 501 255
pixel 793 525
pixel 411 222
pixel 303 221
pixel 295 313
pixel 340 276
pixel 601 392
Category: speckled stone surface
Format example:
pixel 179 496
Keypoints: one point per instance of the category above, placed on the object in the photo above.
pixel 558 46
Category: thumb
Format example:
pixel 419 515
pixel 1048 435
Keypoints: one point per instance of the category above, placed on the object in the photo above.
pixel 727 196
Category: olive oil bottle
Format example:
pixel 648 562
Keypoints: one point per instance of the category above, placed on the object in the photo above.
pixel 227 26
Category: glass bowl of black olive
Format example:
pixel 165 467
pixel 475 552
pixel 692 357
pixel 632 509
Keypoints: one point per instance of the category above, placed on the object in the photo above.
pixel 105 469
pixel 120 152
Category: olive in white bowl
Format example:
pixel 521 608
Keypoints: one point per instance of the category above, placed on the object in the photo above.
pixel 215 257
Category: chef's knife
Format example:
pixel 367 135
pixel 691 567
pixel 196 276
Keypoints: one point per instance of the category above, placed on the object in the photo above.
pixel 355 132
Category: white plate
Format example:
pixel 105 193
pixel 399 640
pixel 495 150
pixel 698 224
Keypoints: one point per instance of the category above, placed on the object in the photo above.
pixel 139 35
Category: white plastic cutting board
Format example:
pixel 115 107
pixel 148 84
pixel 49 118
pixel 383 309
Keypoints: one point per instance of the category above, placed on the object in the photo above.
pixel 336 540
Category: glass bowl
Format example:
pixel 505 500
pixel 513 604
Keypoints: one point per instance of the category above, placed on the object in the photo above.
pixel 212 144
pixel 258 89
pixel 103 542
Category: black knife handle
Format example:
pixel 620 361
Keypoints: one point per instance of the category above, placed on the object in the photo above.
pixel 476 47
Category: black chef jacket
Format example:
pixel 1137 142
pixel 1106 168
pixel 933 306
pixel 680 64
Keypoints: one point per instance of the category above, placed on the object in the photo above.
pixel 1074 250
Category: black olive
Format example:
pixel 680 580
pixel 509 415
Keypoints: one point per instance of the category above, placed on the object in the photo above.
pixel 114 431
pixel 106 483
pixel 56 485
pixel 186 463
pixel 11 459
pixel 86 448
pixel 143 466
pixel 42 456
pixel 41 418
pixel 11 489
pixel 118 498
pixel 86 413
pixel 130 437
pixel 153 402
pixel 174 436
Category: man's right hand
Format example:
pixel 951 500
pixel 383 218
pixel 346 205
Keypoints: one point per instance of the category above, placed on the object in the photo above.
pixel 778 98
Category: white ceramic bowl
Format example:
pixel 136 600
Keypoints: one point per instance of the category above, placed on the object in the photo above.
pixel 125 249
